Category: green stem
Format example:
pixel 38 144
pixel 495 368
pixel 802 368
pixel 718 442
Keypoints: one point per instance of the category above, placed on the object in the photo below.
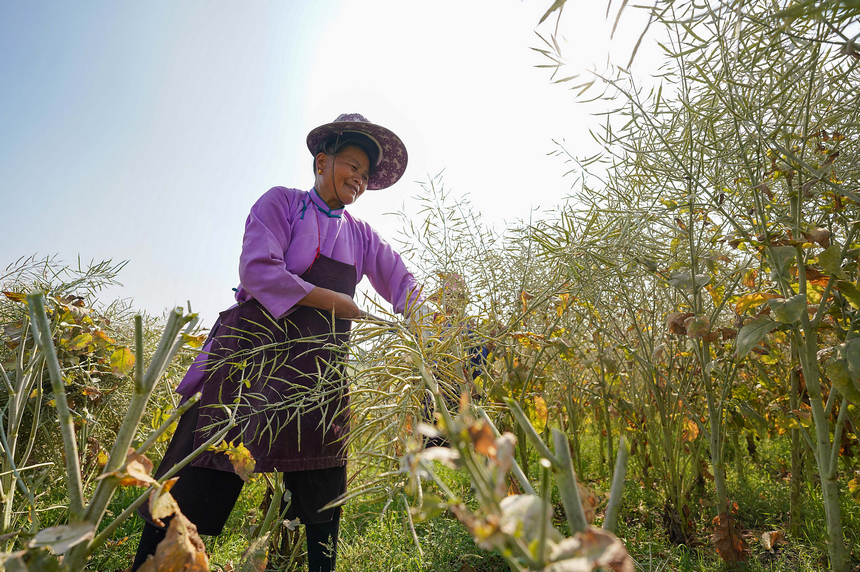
pixel 36 303
pixel 614 506
pixel 567 485
pixel 530 432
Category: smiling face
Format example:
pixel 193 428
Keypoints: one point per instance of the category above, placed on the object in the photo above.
pixel 344 176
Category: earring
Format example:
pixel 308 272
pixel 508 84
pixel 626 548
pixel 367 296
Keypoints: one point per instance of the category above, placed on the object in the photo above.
pixel 319 171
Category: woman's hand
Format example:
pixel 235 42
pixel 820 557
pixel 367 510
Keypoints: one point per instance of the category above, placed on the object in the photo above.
pixel 338 303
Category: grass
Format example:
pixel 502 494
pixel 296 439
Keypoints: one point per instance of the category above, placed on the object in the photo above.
pixel 383 543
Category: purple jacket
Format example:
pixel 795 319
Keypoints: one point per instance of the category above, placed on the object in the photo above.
pixel 284 231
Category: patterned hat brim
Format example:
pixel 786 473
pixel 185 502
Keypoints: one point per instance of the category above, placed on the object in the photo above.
pixel 392 151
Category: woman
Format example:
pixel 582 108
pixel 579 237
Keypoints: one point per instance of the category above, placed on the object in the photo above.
pixel 277 355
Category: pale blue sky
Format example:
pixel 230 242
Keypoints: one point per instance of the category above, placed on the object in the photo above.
pixel 146 130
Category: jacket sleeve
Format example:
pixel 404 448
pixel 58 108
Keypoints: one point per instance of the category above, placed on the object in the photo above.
pixel 262 270
pixel 388 274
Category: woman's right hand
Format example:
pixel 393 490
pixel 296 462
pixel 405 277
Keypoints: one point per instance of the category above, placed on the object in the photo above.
pixel 340 304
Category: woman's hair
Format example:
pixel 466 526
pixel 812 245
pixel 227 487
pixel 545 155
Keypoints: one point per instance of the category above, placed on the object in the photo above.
pixel 336 143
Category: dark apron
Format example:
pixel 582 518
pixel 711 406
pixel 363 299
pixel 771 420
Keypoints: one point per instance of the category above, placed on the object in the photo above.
pixel 287 376
pixel 310 446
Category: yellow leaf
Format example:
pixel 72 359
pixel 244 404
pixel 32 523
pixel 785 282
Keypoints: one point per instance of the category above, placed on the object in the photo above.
pixel 539 414
pixel 753 300
pixel 195 342
pixel 691 430
pixel 240 457
pixel 102 338
pixel 122 361
pixel 80 342
pixel 16 296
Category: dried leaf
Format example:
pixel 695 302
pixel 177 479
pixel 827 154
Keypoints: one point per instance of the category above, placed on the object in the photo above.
pixel 772 538
pixel 135 471
pixel 161 502
pixel 180 551
pixel 483 439
pixel 16 296
pixel 697 326
pixel 590 550
pixel 820 236
pixel 675 322
pixel 589 502
pixel 445 455
pixel 690 432
pixel 727 539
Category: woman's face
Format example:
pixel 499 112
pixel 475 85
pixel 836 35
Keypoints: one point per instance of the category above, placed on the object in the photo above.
pixel 344 176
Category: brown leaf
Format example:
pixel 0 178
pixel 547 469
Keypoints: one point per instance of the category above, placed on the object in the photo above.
pixel 675 322
pixel 161 502
pixel 135 472
pixel 92 392
pixel 727 539
pixel 483 439
pixel 697 326
pixel 806 189
pixel 16 296
pixel 820 236
pixel 180 551
pixel 816 277
pixel 772 538
pixel 590 550
pixel 690 432
pixel 728 333
pixel 589 502
pixel 765 189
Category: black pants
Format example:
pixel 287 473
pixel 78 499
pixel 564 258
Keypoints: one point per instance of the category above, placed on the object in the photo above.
pixel 322 545
pixel 207 497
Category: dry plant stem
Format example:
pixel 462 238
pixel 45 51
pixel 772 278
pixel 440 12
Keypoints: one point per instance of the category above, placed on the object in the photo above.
pixel 614 506
pixel 104 535
pixel 17 479
pixel 530 432
pixel 144 447
pixel 274 507
pixel 36 305
pixel 412 526
pixel 546 508
pixel 10 479
pixel 515 468
pixel 567 486
pixel 143 386
pixel 142 390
